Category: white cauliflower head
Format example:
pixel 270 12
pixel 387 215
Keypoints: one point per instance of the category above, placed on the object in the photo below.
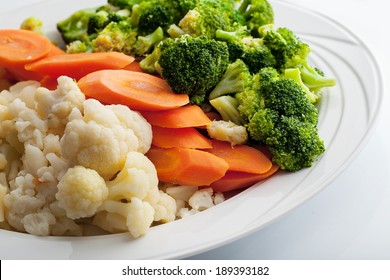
pixel 134 199
pixel 99 139
pixel 80 192
pixel 56 105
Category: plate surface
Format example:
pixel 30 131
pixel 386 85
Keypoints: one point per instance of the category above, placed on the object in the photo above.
pixel 348 114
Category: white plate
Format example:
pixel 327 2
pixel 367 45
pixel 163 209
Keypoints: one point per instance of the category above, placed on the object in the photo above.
pixel 348 114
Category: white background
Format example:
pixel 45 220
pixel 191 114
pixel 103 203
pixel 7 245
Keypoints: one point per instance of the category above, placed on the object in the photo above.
pixel 350 219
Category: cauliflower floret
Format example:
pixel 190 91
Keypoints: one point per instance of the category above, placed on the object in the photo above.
pixel 202 199
pixel 142 129
pixel 165 208
pixel 137 178
pixel 33 159
pixel 227 131
pixel 134 200
pixel 136 216
pixel 21 201
pixel 81 191
pixel 39 223
pixel 56 105
pixel 99 140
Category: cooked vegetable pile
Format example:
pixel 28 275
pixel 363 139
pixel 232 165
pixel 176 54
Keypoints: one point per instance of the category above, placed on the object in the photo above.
pixel 224 53
pixel 152 112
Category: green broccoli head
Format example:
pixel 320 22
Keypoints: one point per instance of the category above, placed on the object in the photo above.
pixel 207 17
pixel 294 144
pixel 288 98
pixel 116 36
pixel 75 27
pixel 285 120
pixel 290 52
pixel 147 16
pixel 256 13
pixel 237 78
pixel 249 49
pixel 287 48
pixel 193 65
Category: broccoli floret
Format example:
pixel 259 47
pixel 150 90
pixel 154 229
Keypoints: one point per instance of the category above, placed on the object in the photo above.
pixel 236 79
pixel 97 22
pixel 116 36
pixel 291 52
pixel 149 15
pixel 283 119
pixel 256 13
pixel 207 17
pixel 288 98
pixel 102 18
pixel 249 49
pixel 294 144
pixel 193 65
pixel 75 27
pixel 33 24
pixel 149 63
pixel 156 16
pixel 144 44
pixel 78 47
pixel 249 103
pixel 227 107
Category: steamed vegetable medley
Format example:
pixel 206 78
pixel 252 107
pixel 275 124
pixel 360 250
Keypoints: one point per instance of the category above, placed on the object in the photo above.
pixel 153 111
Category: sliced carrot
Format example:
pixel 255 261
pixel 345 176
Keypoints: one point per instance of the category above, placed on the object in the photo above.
pixel 139 91
pixel 235 180
pixel 187 137
pixel 18 47
pixel 134 66
pixel 241 157
pixel 49 82
pixel 54 50
pixel 185 116
pixel 77 65
pixel 20 74
pixel 189 167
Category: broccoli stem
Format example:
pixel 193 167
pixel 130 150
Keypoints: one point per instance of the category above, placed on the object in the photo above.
pixel 135 15
pixel 175 31
pixel 313 79
pixel 228 36
pixel 227 107
pixel 244 6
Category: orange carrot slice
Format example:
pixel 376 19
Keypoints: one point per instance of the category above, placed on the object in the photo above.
pixel 189 167
pixel 18 47
pixel 139 91
pixel 134 66
pixel 241 157
pixel 186 116
pixel 77 65
pixel 187 137
pixel 235 180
